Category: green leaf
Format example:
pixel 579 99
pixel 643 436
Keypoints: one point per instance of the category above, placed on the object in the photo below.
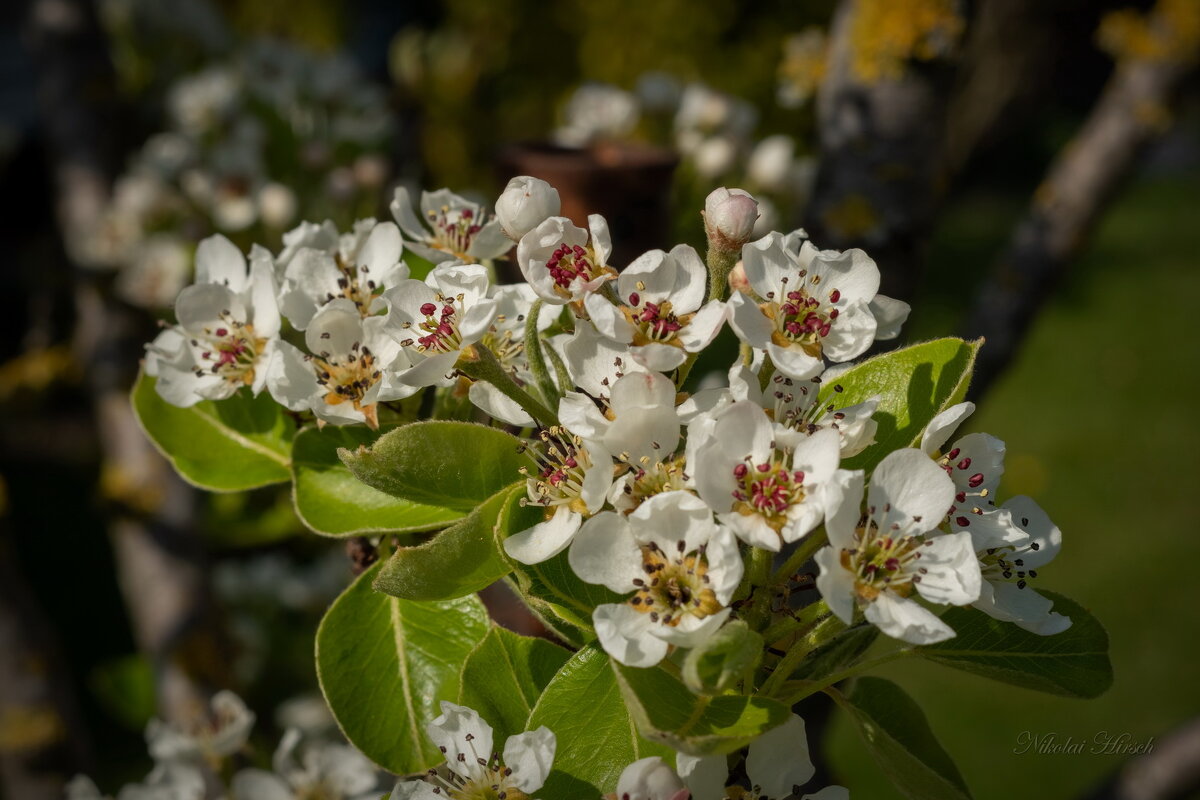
pixel 229 445
pixel 551 588
pixel 1073 663
pixel 723 659
pixel 666 711
pixel 460 560
pixel 914 384
pixel 846 648
pixel 384 664
pixel 452 464
pixel 898 737
pixel 504 676
pixel 596 737
pixel 332 502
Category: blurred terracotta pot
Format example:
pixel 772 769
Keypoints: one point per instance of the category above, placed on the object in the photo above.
pixel 629 185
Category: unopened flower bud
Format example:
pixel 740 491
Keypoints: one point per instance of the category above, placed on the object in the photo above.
pixel 729 217
pixel 526 203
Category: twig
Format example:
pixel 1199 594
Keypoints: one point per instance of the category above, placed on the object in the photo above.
pixel 1131 112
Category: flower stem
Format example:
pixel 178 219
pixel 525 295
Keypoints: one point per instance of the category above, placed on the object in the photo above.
pixel 808 546
pixel 560 369
pixel 681 375
pixel 533 354
pixel 758 574
pixel 485 367
pixel 823 624
pixel 720 263
pixel 812 687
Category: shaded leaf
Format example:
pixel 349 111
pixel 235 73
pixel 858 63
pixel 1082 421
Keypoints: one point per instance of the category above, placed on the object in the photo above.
pixel 897 735
pixel 1073 663
pixel 666 711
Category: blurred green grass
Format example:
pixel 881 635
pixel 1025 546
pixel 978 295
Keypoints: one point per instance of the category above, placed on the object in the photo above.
pixel 1099 415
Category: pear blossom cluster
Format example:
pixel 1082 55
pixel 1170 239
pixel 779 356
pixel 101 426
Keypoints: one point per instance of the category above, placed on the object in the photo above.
pixel 193 763
pixel 656 494
pixel 253 142
pixel 680 498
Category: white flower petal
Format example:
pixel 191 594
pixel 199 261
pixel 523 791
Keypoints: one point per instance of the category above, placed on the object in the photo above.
pixel 705 776
pixel 749 322
pixel 1043 533
pixel 942 427
pixel 463 736
pixel 950 570
pixel 546 539
pixel 219 261
pixel 906 620
pixel 625 635
pixel 648 779
pixel 415 790
pixel 778 760
pixel 605 552
pixel 402 210
pixel 908 489
pixel 835 583
pixel 530 755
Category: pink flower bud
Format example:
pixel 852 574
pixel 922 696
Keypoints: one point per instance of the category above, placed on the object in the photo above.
pixel 729 217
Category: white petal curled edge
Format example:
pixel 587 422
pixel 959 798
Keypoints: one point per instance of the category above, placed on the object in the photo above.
pixel 530 755
pixel 625 635
pixel 546 539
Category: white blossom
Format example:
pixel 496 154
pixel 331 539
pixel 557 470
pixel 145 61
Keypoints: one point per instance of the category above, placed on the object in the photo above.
pixel 661 315
pixel 354 363
pixel 473 768
pixel 571 484
pixel 876 560
pixel 650 778
pixel 813 304
pixel 227 330
pixel 453 229
pixel 639 422
pixel 596 112
pixel 681 567
pixel 1012 544
pixel 327 770
pixel 359 270
pixel 563 262
pixel 436 319
pixel 211 738
pixel 768 495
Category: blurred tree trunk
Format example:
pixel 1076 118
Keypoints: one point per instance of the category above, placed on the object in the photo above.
pixel 1133 110
pixel 881 139
pixel 160 557
pixel 42 743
